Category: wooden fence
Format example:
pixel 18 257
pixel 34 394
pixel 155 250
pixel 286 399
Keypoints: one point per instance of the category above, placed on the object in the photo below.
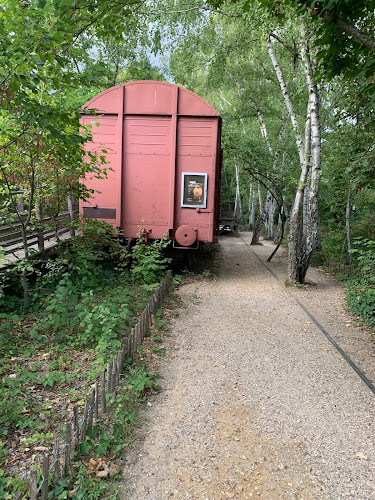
pixel 58 460
pixel 11 235
pixel 337 267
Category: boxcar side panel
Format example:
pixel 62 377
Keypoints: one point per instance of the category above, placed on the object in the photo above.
pixel 104 136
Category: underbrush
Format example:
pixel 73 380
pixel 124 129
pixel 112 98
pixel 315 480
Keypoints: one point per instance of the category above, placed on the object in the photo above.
pixel 83 303
pixel 358 279
pixel 360 290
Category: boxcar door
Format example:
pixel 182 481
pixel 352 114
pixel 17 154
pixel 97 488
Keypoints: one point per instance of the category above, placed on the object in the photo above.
pixel 146 177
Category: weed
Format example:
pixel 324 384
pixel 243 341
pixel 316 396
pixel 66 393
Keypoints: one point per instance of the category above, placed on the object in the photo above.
pixel 360 291
pixel 177 278
pixel 148 264
pixel 86 488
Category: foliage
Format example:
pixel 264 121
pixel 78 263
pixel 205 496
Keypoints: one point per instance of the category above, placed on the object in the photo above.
pixel 86 488
pixel 148 264
pixel 344 29
pixel 360 290
pixel 87 301
pixel 107 441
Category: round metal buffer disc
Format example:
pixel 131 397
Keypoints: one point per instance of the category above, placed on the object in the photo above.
pixel 185 236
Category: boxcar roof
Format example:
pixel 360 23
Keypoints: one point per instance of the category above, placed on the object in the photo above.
pixel 150 98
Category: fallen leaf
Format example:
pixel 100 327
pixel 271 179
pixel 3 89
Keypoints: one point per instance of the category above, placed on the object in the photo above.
pixel 102 473
pixel 40 448
pixel 13 459
pixel 113 470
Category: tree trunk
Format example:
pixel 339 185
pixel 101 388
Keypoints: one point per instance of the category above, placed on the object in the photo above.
pixel 348 227
pixel 261 220
pixel 311 242
pixel 251 206
pixel 270 219
pixel 301 244
pixel 39 216
pixel 238 204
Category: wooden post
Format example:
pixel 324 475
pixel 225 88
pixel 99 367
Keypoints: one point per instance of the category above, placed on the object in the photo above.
pixel 109 377
pixel 141 327
pixel 130 344
pixel 119 364
pixel 39 216
pixel 71 214
pixel 68 444
pixel 96 408
pixel 91 409
pixel 75 437
pixel 102 394
pixel 114 374
pixel 44 490
pixel 85 419
pixel 56 460
pixel 135 338
pixel 33 484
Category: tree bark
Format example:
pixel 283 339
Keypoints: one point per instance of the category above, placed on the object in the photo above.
pixel 287 99
pixel 350 29
pixel 251 206
pixel 238 204
pixel 311 242
pixel 348 226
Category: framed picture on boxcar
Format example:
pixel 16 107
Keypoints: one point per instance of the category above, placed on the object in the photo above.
pixel 194 190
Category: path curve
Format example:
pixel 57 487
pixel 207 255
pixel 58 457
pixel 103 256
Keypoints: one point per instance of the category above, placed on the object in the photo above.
pixel 256 403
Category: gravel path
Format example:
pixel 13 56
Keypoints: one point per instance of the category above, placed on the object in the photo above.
pixel 256 402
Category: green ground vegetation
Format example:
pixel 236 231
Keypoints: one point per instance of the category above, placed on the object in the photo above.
pixel 83 303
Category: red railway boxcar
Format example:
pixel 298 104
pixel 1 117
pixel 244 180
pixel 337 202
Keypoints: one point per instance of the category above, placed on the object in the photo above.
pixel 162 144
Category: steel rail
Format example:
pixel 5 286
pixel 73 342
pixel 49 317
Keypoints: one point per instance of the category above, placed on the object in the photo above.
pixel 332 341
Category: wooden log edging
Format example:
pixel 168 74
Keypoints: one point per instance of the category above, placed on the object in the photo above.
pixel 59 460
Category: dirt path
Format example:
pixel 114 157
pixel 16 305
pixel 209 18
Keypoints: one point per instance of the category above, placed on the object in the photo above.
pixel 256 402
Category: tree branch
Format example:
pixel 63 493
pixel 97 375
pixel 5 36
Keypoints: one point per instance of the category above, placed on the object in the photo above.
pixel 349 29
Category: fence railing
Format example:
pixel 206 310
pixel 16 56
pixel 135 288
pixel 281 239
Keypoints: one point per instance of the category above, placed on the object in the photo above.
pixel 49 228
pixel 58 460
pixel 335 266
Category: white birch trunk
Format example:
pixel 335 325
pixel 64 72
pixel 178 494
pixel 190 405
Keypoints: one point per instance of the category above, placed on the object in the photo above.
pixel 348 227
pixel 271 219
pixel 238 204
pixel 287 99
pixel 251 206
pixel 260 199
pixel 300 249
pixel 311 241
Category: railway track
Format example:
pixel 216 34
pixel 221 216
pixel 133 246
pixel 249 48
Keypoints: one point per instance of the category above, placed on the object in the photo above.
pixel 327 335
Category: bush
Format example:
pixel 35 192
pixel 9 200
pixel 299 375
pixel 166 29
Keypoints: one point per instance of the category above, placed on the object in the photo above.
pixel 148 265
pixel 360 291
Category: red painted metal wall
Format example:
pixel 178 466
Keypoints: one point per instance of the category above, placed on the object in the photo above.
pixel 162 143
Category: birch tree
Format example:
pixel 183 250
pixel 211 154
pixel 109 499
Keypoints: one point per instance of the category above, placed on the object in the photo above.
pixel 302 244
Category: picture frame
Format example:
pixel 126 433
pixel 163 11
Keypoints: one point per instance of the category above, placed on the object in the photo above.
pixel 194 190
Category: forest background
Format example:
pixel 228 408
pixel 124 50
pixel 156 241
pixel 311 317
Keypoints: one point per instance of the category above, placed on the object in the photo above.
pixel 293 81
